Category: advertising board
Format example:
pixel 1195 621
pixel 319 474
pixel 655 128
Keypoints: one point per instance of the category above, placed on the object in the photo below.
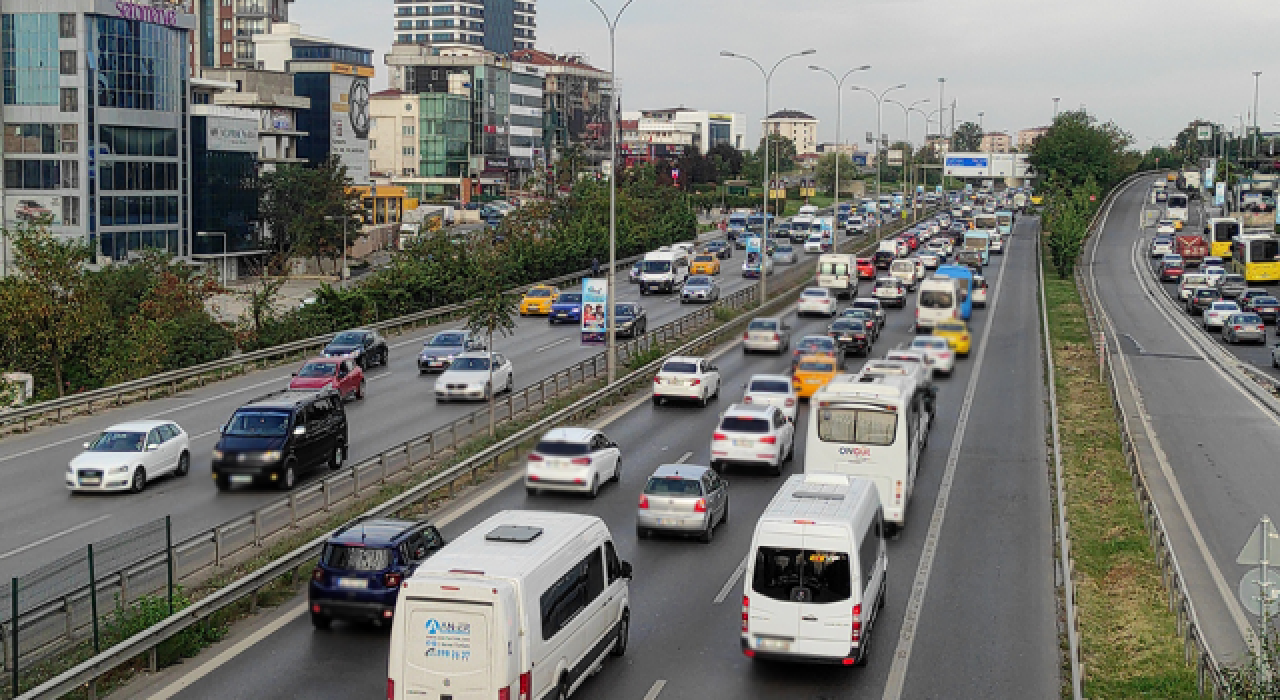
pixel 595 311
pixel 349 124
pixel 33 207
pixel 231 134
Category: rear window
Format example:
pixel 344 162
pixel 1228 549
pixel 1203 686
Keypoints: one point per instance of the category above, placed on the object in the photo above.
pixel 802 575
pixel 352 558
pixel 815 292
pixel 1265 300
pixel 763 326
pixel 680 368
pixel 740 424
pixel 770 386
pixel 557 448
pixel 1248 318
pixel 673 486
pixel 815 366
pixel 935 299
pixel 570 298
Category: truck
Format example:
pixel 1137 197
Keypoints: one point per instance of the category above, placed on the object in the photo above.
pixel 838 272
pixel 980 242
pixel 1192 247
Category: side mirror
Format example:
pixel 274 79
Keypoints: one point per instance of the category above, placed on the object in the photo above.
pixel 294 374
pixel 152 447
pixel 626 570
pixel 221 429
pixel 86 445
pixel 300 430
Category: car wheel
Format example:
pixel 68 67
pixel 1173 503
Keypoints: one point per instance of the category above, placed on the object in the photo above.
pixel 321 622
pixel 624 627
pixel 184 464
pixel 864 650
pixel 617 471
pixel 776 469
pixel 338 456
pixel 288 478
pixel 223 483
pixel 657 401
pixel 642 533
pixel 139 480
pixel 595 486
pixel 708 534
pixel 704 400
pixel 724 518
pixel 791 450
pixel 360 391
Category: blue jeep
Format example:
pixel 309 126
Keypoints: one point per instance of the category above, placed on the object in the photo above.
pixel 362 566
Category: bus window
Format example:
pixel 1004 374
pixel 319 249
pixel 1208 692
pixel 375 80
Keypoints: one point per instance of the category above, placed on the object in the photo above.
pixel 1264 251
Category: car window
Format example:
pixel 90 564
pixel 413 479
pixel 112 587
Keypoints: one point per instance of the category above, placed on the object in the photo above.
pixel 356 558
pixel 319 410
pixel 744 424
pixel 153 437
pixel 558 448
pixel 259 423
pixel 763 325
pixel 680 367
pixel 672 486
pixel 167 432
pixel 447 339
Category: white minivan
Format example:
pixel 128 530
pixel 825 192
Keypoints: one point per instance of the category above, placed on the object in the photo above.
pixel 938 299
pixel 525 605
pixel 816 573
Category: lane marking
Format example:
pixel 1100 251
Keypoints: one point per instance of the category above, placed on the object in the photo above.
pixel 684 458
pixel 733 581
pixel 548 346
pixel 655 690
pixel 920 586
pixel 54 536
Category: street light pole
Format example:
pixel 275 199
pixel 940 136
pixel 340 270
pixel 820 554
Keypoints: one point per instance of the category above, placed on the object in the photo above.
pixel 611 360
pixel 835 200
pixel 942 105
pixel 879 112
pixel 764 162
pixel 1256 75
pixel 906 119
pixel 1055 108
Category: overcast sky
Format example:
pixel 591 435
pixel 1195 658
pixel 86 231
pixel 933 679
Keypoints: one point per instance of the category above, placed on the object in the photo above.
pixel 1150 66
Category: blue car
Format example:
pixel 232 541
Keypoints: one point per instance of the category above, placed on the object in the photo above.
pixel 362 566
pixel 567 308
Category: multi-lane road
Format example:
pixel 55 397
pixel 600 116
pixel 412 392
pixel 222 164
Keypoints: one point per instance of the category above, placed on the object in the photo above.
pixel 971 609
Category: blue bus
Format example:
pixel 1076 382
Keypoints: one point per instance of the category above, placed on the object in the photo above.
pixel 965 275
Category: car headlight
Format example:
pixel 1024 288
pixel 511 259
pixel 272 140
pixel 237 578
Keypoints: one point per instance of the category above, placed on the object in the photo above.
pixel 119 470
pixel 217 454
pixel 271 456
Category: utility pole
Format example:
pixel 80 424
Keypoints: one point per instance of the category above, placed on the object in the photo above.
pixel 1256 75
pixel 879 141
pixel 1055 108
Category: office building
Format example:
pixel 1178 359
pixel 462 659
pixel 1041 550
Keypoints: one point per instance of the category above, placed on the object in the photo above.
pixel 575 94
pixel 801 128
pixel 224 182
pixel 500 26
pixel 226 30
pixel 996 142
pixel 269 94
pixel 528 150
pixel 1027 137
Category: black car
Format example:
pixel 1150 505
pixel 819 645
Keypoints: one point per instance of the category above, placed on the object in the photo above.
pixel 851 335
pixel 362 566
pixel 274 439
pixel 1266 307
pixel 883 258
pixel 368 348
pixel 438 352
pixel 630 319
pixel 867 316
pixel 970 258
pixel 721 249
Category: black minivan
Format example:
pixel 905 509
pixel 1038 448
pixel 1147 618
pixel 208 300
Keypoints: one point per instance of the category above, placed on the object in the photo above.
pixel 274 439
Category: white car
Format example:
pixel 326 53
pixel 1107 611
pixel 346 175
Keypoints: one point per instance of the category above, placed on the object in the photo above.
pixel 912 356
pixel 814 243
pixel 750 434
pixel 997 244
pixel 1189 283
pixel 1213 274
pixel 468 377
pixel 687 379
pixel 772 390
pixel 890 290
pixel 938 350
pixel 125 457
pixel 1216 315
pixel 816 300
pixel 572 459
pixel 1166 226
pixel 1161 245
pixel 929 259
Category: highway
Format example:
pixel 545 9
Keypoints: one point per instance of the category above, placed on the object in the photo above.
pixel 40 520
pixel 977 549
pixel 1208 447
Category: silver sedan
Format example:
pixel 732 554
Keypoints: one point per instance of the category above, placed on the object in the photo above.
pixel 784 254
pixel 766 335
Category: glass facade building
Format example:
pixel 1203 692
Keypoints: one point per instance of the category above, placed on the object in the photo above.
pixel 225 195
pixel 444 128
pixel 30 49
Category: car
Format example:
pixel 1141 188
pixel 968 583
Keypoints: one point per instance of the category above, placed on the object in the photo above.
pixel 754 434
pixel 366 347
pixel 929 259
pixel 438 352
pixel 276 438
pixel 751 267
pixel 866 269
pixel 1215 315
pixel 816 300
pixel 1171 270
pixel 812 372
pixel 766 334
pixel 1244 326
pixel 1267 308
pixel 852 335
pixel 980 291
pixel 1250 293
pixel 682 499
pixel 470 378
pixel 1161 245
pixel 1232 286
pixel 1214 273
pixel 633 274
pixel 912 357
pixel 362 565
pixel 823 345
pixel 784 254
pixel 1211 261
pixel 867 316
pixel 997 244
pixel 720 249
pixel 567 308
pixel 686 379
pixel 956 333
pixel 1202 298
pixel 538 300
pixel 126 456
pixel 875 307
pixel 941 357
pixel 1166 226
pixel 890 290
pixel 1189 282
pixel 940 246
pixel 771 390
pixel 340 373
pixel 630 319
pixel 699 288
pixel 704 264
pixel 578 460
pixel 883 258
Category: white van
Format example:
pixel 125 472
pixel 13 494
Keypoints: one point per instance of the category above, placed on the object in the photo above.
pixel 525 605
pixel 938 299
pixel 808 210
pixel 839 273
pixel 816 572
pixel 874 426
pixel 907 271
pixel 664 270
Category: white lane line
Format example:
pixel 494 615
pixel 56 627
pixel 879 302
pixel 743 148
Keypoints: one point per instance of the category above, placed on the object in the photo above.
pixel 56 535
pixel 655 690
pixel 548 346
pixel 684 458
pixel 920 586
pixel 733 581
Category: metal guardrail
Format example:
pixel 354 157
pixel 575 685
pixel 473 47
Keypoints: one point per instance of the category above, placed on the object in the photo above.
pixel 229 539
pixel 1195 647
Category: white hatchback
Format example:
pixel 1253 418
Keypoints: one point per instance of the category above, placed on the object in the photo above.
pixel 573 459
pixel 816 300
pixel 749 434
pixel 1216 315
pixel 125 457
pixel 890 290
pixel 938 350
pixel 688 379
pixel 1213 275
pixel 814 243
pixel 772 390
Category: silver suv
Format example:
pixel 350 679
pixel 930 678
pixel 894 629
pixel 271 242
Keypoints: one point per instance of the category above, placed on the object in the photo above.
pixel 684 499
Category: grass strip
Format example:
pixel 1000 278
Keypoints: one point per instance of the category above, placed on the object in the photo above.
pixel 1129 642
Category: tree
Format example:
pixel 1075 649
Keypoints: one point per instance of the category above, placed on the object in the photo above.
pixel 782 153
pixel 967 138
pixel 494 309
pixel 1076 149
pixel 727 160
pixel 304 207
pixel 825 173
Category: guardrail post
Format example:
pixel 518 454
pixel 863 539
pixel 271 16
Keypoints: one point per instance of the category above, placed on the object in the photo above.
pixel 355 481
pixel 13 624
pixel 168 555
pixel 151 659
pixel 293 511
pixel 257 528
pixel 124 588
pixel 324 489
pixel 93 605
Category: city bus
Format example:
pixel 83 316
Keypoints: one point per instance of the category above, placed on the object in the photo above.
pixel 1218 232
pixel 1176 206
pixel 1257 257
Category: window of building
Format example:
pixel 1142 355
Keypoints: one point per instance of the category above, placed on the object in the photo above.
pixel 70 100
pixel 404 38
pixel 70 174
pixel 29 43
pixel 442 9
pixel 137 65
pixel 407 150
pixel 438 24
pixel 373 143
pixel 66 26
pixel 67 62
pixel 23 174
pixel 404 24
pixel 407 130
pixel 70 138
pixel 71 211
pixel 442 37
pixel 226 47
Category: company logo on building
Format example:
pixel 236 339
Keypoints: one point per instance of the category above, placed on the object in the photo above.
pixel 147 13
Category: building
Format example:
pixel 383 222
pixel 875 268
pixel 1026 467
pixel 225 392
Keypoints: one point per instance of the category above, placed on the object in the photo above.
pixel 96 123
pixel 224 186
pixel 500 26
pixel 801 128
pixel 709 129
pixel 528 150
pixel 1027 137
pixel 996 142
pixel 270 95
pixel 393 135
pixel 575 94
pixel 226 30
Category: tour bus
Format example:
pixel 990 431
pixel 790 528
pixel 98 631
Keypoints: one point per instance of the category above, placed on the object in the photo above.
pixel 1218 232
pixel 1004 222
pixel 873 425
pixel 837 272
pixel 979 241
pixel 964 303
pixel 1256 255
pixel 1176 206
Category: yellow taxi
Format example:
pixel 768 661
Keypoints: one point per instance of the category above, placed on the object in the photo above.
pixel 538 300
pixel 1177 224
pixel 812 372
pixel 705 264
pixel 957 335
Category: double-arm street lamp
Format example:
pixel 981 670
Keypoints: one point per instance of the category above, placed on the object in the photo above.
pixel 835 201
pixel 906 119
pixel 879 97
pixel 764 172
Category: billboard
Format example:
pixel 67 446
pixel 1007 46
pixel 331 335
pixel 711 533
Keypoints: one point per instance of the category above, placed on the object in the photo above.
pixel 595 311
pixel 895 157
pixel 859 159
pixel 278 119
pixel 986 165
pixel 33 207
pixel 349 124
pixel 1204 132
pixel 231 134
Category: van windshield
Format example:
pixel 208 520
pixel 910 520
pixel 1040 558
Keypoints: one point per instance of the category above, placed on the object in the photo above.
pixel 935 299
pixel 656 267
pixel 802 575
pixel 859 426
pixel 258 424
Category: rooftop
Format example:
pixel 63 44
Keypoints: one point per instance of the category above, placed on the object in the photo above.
pixel 790 114
pixel 542 58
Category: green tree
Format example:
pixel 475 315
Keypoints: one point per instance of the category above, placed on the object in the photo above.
pixel 727 160
pixel 825 172
pixel 494 309
pixel 1077 148
pixel 967 138
pixel 304 208
pixel 782 153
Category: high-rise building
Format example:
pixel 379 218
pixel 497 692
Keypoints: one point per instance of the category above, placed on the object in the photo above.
pixel 224 38
pixel 575 95
pixel 995 142
pixel 801 128
pixel 500 26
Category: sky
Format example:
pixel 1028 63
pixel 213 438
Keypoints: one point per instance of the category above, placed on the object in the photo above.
pixel 1151 67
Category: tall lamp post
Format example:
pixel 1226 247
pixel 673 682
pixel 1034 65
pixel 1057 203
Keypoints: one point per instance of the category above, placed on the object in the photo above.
pixel 764 164
pixel 879 113
pixel 906 125
pixel 942 105
pixel 1256 75
pixel 1055 108
pixel 927 118
pixel 611 360
pixel 835 201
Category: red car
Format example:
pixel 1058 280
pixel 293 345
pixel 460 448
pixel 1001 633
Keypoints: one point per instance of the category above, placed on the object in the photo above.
pixel 866 269
pixel 1171 272
pixel 341 373
pixel 911 240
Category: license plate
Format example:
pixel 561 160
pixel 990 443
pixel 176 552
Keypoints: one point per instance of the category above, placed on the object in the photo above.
pixel 352 583
pixel 773 644
pixel 241 479
pixel 90 481
pixel 847 338
pixel 813 381
pixel 744 443
pixel 668 521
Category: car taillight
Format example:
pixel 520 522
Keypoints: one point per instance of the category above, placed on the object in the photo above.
pixel 944 355
pixel 696 382
pixel 745 335
pixel 317 574
pixel 1237 328
pixel 776 337
pixel 769 440
pixel 644 501
pixel 392 579
pixel 746 607
pixel 719 436
pixel 897 491
pixel 746 399
pixel 504 693
pixel 581 461
pixel 657 380
pixel 526 686
pixel 791 401
pixel 391 689
pixel 535 457
pixel 700 506
pixel 857 623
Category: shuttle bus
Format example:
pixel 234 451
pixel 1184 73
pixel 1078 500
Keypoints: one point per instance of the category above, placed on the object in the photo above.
pixel 1257 257
pixel 1176 206
pixel 1219 232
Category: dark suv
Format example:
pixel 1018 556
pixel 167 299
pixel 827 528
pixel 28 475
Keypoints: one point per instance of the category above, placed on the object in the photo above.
pixel 275 438
pixel 1202 298
pixel 362 566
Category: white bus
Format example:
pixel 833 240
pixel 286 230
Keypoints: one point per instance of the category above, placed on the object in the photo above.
pixel 872 425
pixel 1176 206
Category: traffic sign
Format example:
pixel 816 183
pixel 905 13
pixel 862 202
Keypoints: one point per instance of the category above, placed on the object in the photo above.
pixel 1262 545
pixel 1254 590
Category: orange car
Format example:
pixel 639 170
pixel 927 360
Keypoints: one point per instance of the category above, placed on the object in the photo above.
pixel 812 373
pixel 705 264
